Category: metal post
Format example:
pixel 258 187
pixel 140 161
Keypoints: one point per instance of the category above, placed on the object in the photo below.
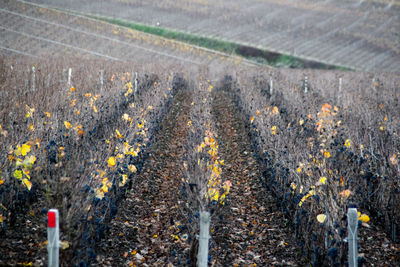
pixel 53 237
pixel 202 256
pixel 136 83
pixel 305 84
pixel 69 77
pixel 352 221
pixel 270 86
pixel 101 79
pixel 33 84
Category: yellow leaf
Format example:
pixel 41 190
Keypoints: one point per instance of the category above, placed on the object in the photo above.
pixel 301 122
pixel 321 218
pixel 132 168
pixel 124 179
pixel 1 181
pixel 72 89
pixel 2 218
pixel 251 119
pixel 364 218
pixel 95 109
pixel 47 114
pixel 119 135
pixel 347 143
pixel 322 180
pixel 327 154
pixel 64 245
pixel 29 111
pixel 27 183
pixel 25 149
pixel 99 194
pixel 258 112
pixel 17 174
pixel 273 130
pixel 111 162
pixel 67 125
pixel 31 127
pixel 275 110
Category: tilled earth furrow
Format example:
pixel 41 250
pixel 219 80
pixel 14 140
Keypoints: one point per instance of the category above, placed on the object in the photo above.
pixel 254 231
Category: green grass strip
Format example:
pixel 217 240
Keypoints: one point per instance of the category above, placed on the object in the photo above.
pixel 253 54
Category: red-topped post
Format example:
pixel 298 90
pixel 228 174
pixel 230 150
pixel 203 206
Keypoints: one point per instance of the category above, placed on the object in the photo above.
pixel 53 237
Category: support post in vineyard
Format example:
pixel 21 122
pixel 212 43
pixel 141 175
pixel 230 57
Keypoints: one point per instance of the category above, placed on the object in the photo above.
pixel 306 84
pixel 136 83
pixel 69 78
pixel 202 257
pixel 53 237
pixel 101 79
pixel 33 84
pixel 271 89
pixel 352 223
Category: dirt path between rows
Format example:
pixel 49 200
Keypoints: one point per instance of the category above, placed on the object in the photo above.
pixel 255 233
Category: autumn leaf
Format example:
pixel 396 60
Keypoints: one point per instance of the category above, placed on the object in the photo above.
pixel 27 183
pixel 364 218
pixel 29 111
pixel 275 110
pixel 321 218
pixel 345 193
pixel 67 125
pixel 132 168
pixel 327 154
pixel 111 162
pixel 126 117
pixel 322 180
pixel 64 245
pixel 25 149
pixel 394 159
pixel 273 130
pixel 119 135
pixel 17 174
pixel 347 143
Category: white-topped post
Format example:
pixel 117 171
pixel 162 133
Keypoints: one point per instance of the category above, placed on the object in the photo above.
pixel 271 89
pixel 33 85
pixel 69 77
